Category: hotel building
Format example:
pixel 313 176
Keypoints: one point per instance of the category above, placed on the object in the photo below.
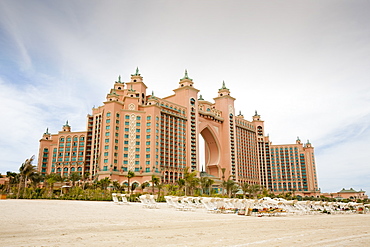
pixel 134 131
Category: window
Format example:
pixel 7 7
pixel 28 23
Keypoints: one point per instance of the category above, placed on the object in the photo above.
pixel 137 149
pixel 107 127
pixel 138 124
pixel 106 147
pixel 125 149
pixel 138 117
pixel 107 133
pixel 105 160
pixel 108 114
pixel 127 117
pixel 148 117
pixel 107 121
pixel 105 153
pixel 106 140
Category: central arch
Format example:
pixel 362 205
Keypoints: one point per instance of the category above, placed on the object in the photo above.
pixel 211 151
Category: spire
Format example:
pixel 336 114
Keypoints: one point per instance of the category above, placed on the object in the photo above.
pixel 136 72
pixel 308 142
pixel 119 79
pixel 66 123
pixel 186 76
pixel 47 131
pixel 223 86
pixel 240 113
pixel 255 113
pixel 200 97
pixel 152 96
pixel 298 138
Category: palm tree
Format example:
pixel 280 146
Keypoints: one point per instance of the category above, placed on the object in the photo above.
pixel 104 183
pixel 159 187
pixel 85 177
pixel 13 179
pixel 154 181
pixel 51 179
pixel 25 171
pixel 245 188
pixel 191 181
pixel 116 186
pixel 228 186
pixel 254 189
pixel 205 184
pixel 181 184
pixel 130 174
pixel 36 178
pixel 171 188
pixel 234 189
pixel 74 176
pixel 144 185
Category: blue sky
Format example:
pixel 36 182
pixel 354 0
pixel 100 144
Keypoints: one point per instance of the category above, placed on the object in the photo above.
pixel 304 65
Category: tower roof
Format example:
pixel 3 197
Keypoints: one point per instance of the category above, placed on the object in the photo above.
pixel 136 72
pixel 223 86
pixel 186 77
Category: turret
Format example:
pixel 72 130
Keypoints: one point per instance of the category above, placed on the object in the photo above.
pixel 223 90
pixel 186 81
pixel 66 127
pixel 46 135
pixel 298 141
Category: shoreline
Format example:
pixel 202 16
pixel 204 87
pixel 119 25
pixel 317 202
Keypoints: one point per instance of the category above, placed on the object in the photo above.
pixel 78 223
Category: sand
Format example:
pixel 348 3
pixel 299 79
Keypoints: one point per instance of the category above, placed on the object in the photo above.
pixel 82 223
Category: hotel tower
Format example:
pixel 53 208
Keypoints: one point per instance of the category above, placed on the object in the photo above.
pixel 134 131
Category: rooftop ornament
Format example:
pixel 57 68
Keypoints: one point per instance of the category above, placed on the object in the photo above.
pixel 186 77
pixel 136 72
pixel 223 86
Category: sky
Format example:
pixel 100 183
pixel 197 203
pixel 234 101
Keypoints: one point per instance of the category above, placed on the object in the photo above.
pixel 303 65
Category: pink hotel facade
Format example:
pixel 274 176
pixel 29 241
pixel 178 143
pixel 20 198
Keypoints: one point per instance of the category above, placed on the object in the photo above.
pixel 133 131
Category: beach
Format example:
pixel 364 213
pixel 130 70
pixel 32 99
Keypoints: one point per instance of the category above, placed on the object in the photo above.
pixel 82 223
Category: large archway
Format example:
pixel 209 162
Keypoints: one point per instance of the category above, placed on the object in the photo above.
pixel 211 152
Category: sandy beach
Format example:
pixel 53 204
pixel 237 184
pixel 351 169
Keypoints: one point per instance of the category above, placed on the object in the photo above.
pixel 82 223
